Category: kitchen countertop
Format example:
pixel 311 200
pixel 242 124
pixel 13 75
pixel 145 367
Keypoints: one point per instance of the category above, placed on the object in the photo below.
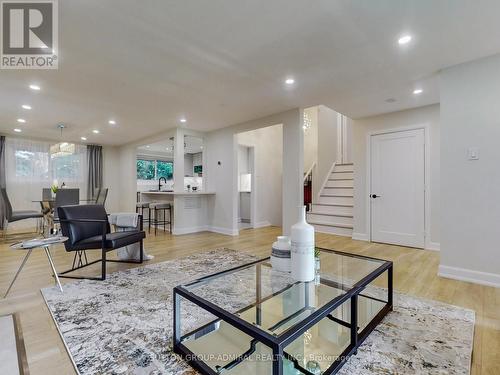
pixel 178 193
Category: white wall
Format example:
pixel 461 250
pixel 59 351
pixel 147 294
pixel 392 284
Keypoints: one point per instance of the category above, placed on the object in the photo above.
pixel 327 146
pixel 470 206
pixel 111 177
pixel 126 167
pixel 424 116
pixel 311 139
pixel 188 165
pixel 268 148
pixel 221 146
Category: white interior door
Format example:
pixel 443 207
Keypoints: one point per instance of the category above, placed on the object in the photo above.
pixel 398 188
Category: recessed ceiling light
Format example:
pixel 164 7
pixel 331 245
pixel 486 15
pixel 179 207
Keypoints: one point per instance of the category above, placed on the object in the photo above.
pixel 112 122
pixel 17 130
pixel 26 106
pixel 289 81
pixel 405 39
pixel 83 138
pixel 35 87
pixel 183 120
pixel 418 91
pixel 21 120
pixel 148 146
pixel 95 131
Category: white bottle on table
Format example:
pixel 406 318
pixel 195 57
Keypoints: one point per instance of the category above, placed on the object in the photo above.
pixel 302 249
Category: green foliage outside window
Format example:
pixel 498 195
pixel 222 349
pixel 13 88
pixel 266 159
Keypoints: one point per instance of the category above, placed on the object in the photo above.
pixel 145 169
pixel 154 169
pixel 66 166
pixel 32 164
pixel 164 169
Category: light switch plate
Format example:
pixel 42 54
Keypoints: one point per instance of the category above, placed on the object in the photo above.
pixel 473 153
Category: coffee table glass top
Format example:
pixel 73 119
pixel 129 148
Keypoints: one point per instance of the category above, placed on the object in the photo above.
pixel 273 301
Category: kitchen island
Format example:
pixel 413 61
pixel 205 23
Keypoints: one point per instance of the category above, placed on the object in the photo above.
pixel 190 209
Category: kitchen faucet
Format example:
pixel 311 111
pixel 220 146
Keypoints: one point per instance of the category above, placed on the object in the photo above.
pixel 159 182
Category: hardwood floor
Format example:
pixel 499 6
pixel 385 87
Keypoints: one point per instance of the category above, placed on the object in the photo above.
pixel 415 273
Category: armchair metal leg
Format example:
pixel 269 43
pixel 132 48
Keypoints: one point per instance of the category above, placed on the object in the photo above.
pixel 81 255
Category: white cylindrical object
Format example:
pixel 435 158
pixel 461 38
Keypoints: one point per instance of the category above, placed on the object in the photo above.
pixel 280 255
pixel 303 249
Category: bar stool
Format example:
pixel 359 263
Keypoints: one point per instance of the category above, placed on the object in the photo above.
pixel 142 206
pixel 156 221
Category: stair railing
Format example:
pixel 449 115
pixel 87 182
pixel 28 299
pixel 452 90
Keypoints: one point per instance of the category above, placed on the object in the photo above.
pixel 308 191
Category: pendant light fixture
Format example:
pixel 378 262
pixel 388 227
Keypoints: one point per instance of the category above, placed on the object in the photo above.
pixel 62 148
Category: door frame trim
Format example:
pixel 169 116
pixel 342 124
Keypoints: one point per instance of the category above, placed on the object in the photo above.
pixel 253 185
pixel 427 172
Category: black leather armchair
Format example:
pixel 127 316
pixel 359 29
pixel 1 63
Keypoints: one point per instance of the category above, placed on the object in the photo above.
pixel 87 228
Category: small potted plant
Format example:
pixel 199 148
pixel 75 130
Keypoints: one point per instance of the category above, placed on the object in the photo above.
pixel 54 189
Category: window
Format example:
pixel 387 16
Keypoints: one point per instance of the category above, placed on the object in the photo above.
pixel 31 164
pixel 31 161
pixel 164 169
pixel 154 169
pixel 29 168
pixel 65 167
pixel 145 169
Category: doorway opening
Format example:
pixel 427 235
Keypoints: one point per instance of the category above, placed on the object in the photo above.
pixel 259 177
pixel 246 188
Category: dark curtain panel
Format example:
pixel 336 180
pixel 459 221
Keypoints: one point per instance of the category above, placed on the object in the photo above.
pixel 2 180
pixel 94 161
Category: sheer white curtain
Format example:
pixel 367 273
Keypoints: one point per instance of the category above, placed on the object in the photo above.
pixel 29 168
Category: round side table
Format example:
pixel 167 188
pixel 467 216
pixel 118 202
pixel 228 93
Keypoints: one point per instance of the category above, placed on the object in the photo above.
pixel 30 245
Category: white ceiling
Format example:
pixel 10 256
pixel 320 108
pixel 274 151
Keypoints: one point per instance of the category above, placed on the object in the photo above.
pixel 192 145
pixel 220 62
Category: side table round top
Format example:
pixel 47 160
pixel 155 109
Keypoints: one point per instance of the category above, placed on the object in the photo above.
pixel 38 242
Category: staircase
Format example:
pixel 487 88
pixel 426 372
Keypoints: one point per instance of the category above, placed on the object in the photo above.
pixel 332 212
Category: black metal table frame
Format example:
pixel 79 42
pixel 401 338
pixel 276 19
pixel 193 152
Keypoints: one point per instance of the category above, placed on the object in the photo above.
pixel 279 342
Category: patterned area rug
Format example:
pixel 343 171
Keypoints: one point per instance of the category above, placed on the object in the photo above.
pixel 124 324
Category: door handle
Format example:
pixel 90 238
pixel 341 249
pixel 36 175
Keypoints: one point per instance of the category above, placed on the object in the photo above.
pixel 374 196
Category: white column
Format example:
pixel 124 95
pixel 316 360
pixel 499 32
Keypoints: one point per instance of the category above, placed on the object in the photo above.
pixel 293 169
pixel 179 161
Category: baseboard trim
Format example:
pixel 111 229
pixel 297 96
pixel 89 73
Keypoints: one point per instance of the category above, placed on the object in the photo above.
pixel 180 231
pixel 476 277
pixel 206 228
pixel 262 224
pixel 226 231
pixel 360 237
pixel 434 246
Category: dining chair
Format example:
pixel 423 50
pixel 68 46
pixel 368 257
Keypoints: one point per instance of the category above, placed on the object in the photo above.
pixel 101 198
pixel 66 197
pixel 13 216
pixel 95 197
pixel 46 194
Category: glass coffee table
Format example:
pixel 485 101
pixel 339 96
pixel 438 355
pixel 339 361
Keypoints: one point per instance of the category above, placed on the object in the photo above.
pixel 254 320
